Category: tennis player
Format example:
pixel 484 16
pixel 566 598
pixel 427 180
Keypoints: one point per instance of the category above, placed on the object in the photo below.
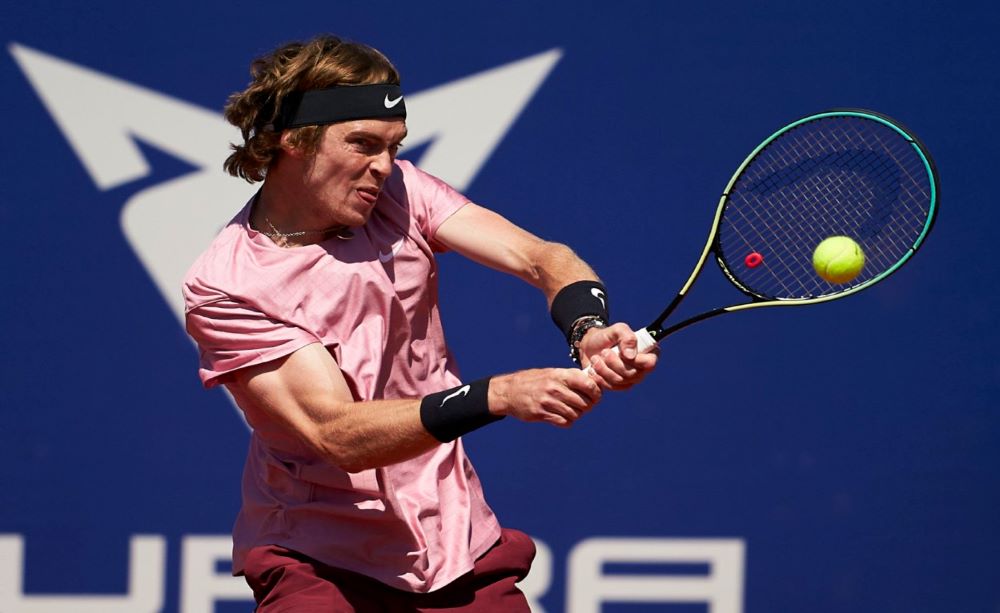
pixel 317 307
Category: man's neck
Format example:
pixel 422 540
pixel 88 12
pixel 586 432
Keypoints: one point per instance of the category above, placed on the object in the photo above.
pixel 284 208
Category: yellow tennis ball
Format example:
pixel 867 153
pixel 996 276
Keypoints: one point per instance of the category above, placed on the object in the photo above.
pixel 838 259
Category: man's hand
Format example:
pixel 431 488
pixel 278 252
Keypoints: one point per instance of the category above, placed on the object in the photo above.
pixel 558 396
pixel 615 370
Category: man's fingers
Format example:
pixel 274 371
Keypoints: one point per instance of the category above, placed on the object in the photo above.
pixel 623 367
pixel 609 379
pixel 562 414
pixel 647 360
pixel 614 360
pixel 556 396
pixel 619 335
pixel 623 336
pixel 583 386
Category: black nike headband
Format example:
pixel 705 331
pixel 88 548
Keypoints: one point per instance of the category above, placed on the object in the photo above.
pixel 343 103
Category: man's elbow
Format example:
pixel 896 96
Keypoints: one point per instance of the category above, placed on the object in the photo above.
pixel 342 457
pixel 547 259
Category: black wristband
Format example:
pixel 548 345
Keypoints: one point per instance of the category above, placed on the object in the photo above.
pixel 449 414
pixel 578 300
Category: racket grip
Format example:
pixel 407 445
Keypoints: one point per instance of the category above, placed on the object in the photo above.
pixel 645 343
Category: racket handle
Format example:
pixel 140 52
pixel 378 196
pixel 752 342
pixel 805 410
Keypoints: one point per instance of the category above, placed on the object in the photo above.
pixel 645 343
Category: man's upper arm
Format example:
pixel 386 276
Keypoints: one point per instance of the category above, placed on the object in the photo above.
pixel 307 395
pixel 305 392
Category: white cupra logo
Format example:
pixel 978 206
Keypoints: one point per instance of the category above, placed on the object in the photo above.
pixel 168 224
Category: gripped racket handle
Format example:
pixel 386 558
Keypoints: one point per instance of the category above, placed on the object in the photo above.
pixel 646 342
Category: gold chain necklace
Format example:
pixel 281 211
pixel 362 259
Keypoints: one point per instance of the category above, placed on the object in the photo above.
pixel 343 232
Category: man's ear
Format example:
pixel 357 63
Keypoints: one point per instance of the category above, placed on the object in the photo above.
pixel 288 145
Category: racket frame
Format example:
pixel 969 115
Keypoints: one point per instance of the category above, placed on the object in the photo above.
pixel 656 330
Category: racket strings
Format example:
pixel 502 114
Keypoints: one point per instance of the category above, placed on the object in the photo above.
pixel 840 175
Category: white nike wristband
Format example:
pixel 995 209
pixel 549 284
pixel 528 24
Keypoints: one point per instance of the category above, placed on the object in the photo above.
pixel 449 414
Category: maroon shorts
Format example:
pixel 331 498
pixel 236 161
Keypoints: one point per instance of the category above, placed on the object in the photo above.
pixel 287 581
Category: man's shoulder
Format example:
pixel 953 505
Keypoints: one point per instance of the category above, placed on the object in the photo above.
pixel 208 274
pixel 404 167
pixel 408 176
pixel 408 183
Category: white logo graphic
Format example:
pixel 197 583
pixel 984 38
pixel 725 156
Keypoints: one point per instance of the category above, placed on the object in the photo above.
pixel 170 223
pixel 387 256
pixel 462 391
pixel 590 584
pixel 600 296
pixel 391 103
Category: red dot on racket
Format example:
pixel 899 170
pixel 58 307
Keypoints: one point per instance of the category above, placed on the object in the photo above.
pixel 754 260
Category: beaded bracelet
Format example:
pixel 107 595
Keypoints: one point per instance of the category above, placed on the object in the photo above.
pixel 580 329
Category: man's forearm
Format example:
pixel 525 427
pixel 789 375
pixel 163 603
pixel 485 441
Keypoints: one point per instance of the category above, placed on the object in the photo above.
pixel 557 266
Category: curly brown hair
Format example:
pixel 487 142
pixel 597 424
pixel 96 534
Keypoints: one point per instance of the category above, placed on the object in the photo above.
pixel 319 63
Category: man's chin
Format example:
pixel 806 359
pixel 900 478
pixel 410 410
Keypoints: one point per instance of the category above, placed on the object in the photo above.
pixel 361 216
pixel 356 221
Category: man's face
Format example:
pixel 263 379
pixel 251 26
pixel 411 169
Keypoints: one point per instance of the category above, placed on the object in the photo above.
pixel 350 165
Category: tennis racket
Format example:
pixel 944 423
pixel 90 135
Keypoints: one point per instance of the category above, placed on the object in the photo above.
pixel 844 172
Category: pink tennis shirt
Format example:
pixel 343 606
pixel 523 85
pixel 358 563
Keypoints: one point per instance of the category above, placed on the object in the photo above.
pixel 372 302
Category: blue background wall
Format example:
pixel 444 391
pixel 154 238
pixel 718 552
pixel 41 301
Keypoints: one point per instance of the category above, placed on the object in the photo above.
pixel 851 447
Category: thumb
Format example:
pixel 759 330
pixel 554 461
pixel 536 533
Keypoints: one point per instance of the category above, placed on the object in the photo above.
pixel 624 337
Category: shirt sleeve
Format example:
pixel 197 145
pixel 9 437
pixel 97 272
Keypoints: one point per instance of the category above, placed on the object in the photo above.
pixel 432 201
pixel 231 335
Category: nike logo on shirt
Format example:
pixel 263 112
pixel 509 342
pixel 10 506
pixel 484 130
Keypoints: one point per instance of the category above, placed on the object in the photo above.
pixel 388 255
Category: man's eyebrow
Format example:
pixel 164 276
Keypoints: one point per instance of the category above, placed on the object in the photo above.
pixel 363 133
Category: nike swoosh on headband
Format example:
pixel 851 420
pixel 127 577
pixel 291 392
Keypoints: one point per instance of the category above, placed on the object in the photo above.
pixel 340 103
